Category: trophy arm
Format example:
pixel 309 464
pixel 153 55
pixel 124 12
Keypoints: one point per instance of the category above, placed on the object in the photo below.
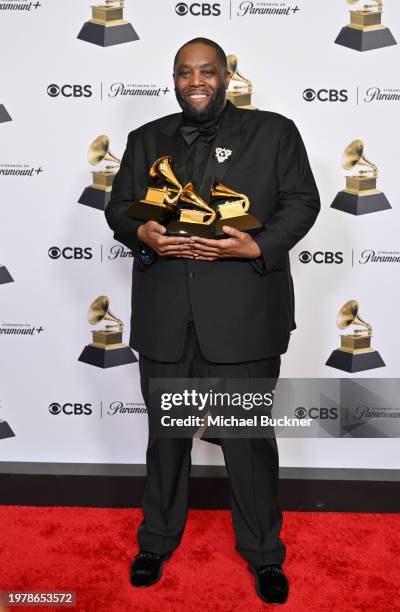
pixel 173 199
pixel 374 167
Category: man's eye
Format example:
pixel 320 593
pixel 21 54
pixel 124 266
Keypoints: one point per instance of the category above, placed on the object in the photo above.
pixel 184 73
pixel 208 73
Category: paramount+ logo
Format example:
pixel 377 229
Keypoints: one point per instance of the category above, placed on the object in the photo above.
pixel 325 95
pixel 321 257
pixel 198 9
pixel 70 409
pixel 69 91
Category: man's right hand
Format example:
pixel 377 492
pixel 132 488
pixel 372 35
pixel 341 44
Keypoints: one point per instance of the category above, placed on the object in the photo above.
pixel 152 234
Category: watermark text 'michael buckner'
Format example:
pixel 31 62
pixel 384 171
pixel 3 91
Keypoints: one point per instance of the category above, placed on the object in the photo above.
pixel 232 421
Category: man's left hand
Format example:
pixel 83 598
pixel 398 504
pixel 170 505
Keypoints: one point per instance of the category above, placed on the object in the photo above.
pixel 238 244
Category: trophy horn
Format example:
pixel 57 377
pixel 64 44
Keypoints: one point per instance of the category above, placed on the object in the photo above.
pixel 232 63
pixel 162 168
pixel 99 310
pixel 99 150
pixel 354 155
pixel 219 190
pixel 348 315
pixel 190 196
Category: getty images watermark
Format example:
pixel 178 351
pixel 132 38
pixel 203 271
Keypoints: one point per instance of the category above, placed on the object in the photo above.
pixel 217 407
pixel 194 399
pixel 288 407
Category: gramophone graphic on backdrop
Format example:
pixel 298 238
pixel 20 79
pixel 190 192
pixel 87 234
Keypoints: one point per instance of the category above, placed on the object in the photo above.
pixel 107 349
pixel 107 26
pixel 97 195
pixel 240 89
pixel 5 276
pixel 365 31
pixel 184 211
pixel 355 353
pixel 5 430
pixel 360 195
pixel 4 116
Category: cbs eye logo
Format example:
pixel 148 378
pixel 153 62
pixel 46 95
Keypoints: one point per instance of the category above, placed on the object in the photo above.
pixel 321 257
pixel 69 91
pixel 325 95
pixel 55 252
pixel 197 9
pixel 54 408
pixel 70 408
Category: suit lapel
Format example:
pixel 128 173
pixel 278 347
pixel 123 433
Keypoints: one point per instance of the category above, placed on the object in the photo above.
pixel 230 136
pixel 170 142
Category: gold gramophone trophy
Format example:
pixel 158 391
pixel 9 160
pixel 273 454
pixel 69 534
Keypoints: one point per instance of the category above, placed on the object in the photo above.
pixel 241 90
pixel 159 201
pixel 5 276
pixel 4 116
pixel 194 220
pixel 233 210
pixel 107 349
pixel 5 430
pixel 355 353
pixel 361 195
pixel 107 26
pixel 365 30
pixel 98 194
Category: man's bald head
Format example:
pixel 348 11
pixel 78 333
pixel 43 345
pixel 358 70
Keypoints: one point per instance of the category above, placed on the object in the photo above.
pixel 220 53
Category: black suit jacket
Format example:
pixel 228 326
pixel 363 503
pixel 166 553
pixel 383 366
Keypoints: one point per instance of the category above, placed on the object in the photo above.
pixel 243 309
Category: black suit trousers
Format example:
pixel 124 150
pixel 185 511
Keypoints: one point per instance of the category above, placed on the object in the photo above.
pixel 252 465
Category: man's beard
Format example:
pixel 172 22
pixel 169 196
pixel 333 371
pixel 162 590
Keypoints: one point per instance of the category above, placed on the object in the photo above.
pixel 213 108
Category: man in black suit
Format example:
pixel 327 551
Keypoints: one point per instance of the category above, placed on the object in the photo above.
pixel 214 308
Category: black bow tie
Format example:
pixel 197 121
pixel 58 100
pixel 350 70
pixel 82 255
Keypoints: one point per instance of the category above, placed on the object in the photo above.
pixel 190 133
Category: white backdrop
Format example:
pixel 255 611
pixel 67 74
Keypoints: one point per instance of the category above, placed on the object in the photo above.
pixel 282 55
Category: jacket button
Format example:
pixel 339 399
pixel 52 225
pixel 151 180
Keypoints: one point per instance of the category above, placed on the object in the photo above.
pixel 191 275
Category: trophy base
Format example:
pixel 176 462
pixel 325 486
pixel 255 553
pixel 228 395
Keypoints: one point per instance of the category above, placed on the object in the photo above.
pixel 5 431
pixel 180 228
pixel 365 40
pixel 356 204
pixel 5 276
pixel 147 212
pixel 4 116
pixel 106 36
pixel 245 223
pixel 355 362
pixel 107 358
pixel 95 198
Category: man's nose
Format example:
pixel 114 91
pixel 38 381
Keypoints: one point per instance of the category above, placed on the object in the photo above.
pixel 196 79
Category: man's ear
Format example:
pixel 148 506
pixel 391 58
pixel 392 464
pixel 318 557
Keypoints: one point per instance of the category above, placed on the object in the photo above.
pixel 227 78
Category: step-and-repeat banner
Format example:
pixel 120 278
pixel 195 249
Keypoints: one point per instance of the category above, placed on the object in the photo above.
pixel 75 80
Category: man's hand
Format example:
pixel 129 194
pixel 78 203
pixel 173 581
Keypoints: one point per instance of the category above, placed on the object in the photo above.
pixel 152 234
pixel 239 244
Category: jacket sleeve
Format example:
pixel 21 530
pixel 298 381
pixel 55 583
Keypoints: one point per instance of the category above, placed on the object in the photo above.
pixel 122 196
pixel 298 200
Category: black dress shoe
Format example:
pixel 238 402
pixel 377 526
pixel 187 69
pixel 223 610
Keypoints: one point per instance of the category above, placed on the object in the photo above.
pixel 146 568
pixel 271 583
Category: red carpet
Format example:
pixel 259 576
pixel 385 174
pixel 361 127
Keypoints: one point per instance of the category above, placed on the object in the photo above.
pixel 335 562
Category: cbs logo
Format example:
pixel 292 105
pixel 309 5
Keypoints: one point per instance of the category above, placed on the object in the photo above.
pixel 326 95
pixel 321 257
pixel 70 409
pixel 55 252
pixel 197 9
pixel 316 413
pixel 69 91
